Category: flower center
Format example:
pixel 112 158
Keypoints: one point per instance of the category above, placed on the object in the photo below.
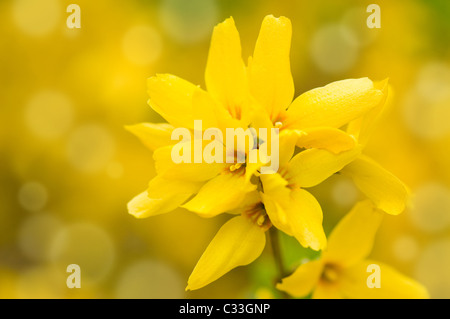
pixel 258 215
pixel 330 273
pixel 236 166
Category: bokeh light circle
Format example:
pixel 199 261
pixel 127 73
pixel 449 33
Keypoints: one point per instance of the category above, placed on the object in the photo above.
pixel 344 192
pixel 36 17
pixel 36 235
pixel 90 148
pixel 49 114
pixel 405 248
pixel 426 107
pixel 142 45
pixel 432 269
pixel 150 279
pixel 430 209
pixel 333 50
pixel 188 21
pixel 33 196
pixel 86 245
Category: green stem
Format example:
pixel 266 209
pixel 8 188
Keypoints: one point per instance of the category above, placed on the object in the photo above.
pixel 276 250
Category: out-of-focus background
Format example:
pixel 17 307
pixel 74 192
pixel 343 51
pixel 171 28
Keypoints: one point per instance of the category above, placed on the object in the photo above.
pixel 68 167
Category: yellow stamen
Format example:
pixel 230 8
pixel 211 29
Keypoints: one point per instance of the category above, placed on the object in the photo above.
pixel 278 124
pixel 261 219
pixel 330 273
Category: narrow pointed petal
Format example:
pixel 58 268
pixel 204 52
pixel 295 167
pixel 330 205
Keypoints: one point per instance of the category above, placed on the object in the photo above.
pixel 303 280
pixel 275 191
pixel 171 97
pixel 238 243
pixel 162 196
pixel 225 73
pixel 382 187
pixel 352 239
pixel 327 291
pixel 305 216
pixel 222 193
pixel 294 211
pixel 166 167
pixel 152 135
pixel 393 284
pixel 327 138
pixel 311 167
pixel 270 75
pixel 333 105
pixel 288 140
pixel 363 126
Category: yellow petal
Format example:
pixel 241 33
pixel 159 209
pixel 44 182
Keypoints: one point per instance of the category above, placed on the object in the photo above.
pixel 252 167
pixel 152 135
pixel 237 243
pixel 222 193
pixel 251 200
pixel 162 196
pixel 205 108
pixel 171 97
pixel 160 187
pixel 393 285
pixel 303 280
pixel 327 291
pixel 270 76
pixel 288 139
pixel 313 166
pixel 276 213
pixel 294 211
pixel 166 167
pixel 333 105
pixel 328 138
pixel 362 127
pixel 384 189
pixel 225 74
pixel 352 238
pixel 305 217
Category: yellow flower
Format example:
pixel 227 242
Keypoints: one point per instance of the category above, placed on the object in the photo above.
pixel 343 270
pixel 260 96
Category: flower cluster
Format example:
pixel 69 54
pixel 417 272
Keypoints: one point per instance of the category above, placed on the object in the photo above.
pixel 321 132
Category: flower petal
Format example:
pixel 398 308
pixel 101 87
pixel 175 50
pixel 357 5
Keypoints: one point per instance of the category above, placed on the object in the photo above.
pixel 152 135
pixel 313 166
pixel 288 139
pixel 383 188
pixel 327 291
pixel 352 239
pixel 328 138
pixel 146 205
pixel 393 285
pixel 225 74
pixel 237 243
pixel 270 75
pixel 305 217
pixel 294 211
pixel 171 97
pixel 333 105
pixel 363 126
pixel 303 280
pixel 222 193
pixel 167 168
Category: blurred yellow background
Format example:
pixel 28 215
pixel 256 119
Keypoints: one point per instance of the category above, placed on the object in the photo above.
pixel 68 167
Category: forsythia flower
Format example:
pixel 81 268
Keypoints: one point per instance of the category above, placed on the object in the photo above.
pixel 342 271
pixel 259 96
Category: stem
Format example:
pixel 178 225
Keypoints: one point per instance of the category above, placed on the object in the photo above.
pixel 275 243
